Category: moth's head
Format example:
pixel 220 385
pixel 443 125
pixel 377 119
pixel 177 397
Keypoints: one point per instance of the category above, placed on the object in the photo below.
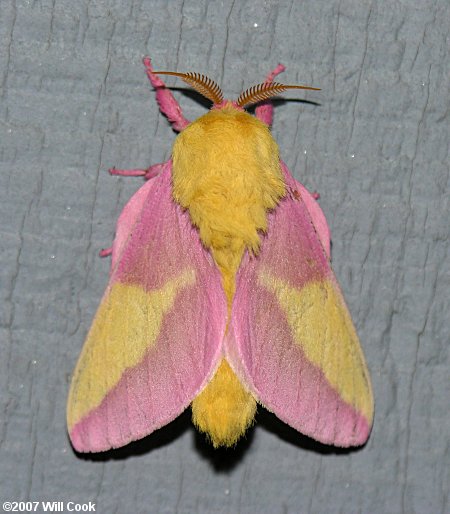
pixel 210 89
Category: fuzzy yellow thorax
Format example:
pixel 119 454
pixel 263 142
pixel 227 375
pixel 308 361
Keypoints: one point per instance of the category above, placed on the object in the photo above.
pixel 226 172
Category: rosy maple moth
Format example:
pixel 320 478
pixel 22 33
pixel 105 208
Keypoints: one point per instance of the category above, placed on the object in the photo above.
pixel 221 295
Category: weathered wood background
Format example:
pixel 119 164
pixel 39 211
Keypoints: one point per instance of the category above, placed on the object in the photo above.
pixel 374 143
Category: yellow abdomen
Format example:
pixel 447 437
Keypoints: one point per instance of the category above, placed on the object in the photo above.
pixel 226 172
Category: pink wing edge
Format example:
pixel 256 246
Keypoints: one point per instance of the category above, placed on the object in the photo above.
pixel 158 389
pixel 327 419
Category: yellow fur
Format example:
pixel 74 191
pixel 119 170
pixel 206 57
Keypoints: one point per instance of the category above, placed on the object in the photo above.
pixel 224 409
pixel 226 172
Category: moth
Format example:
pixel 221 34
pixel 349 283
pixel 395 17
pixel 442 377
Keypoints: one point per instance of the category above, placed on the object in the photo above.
pixel 221 295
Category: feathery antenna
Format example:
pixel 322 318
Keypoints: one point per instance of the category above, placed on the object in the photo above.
pixel 265 91
pixel 204 85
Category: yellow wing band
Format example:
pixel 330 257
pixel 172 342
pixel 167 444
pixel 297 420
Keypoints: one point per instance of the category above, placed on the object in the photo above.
pixel 126 325
pixel 321 325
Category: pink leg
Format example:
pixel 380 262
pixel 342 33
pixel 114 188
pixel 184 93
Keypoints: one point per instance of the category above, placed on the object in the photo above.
pixel 315 195
pixel 264 112
pixel 105 252
pixel 149 173
pixel 167 103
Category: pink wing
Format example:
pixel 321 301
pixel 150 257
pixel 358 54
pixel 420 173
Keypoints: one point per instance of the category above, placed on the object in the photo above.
pixel 157 335
pixel 292 340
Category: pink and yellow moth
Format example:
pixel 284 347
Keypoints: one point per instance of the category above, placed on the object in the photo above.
pixel 221 295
